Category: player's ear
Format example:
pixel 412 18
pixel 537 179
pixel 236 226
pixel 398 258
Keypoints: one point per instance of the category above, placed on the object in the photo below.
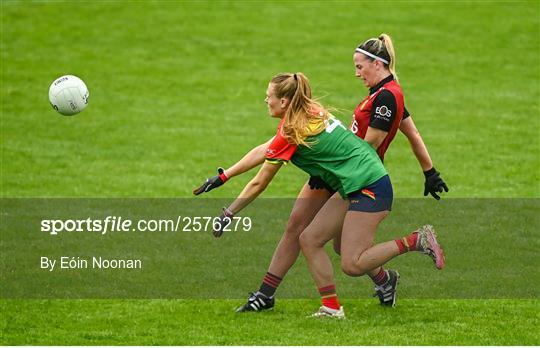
pixel 284 102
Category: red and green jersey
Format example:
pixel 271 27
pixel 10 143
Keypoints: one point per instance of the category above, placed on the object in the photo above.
pixel 344 161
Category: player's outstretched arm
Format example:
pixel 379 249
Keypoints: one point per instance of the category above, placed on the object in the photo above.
pixel 434 183
pixel 252 159
pixel 252 190
pixel 255 187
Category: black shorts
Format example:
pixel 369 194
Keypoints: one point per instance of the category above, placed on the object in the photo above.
pixel 373 198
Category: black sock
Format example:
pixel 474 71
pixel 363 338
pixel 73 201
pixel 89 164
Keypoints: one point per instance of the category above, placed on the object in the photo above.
pixel 269 284
pixel 381 277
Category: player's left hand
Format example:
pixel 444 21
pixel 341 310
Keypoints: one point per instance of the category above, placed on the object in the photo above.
pixel 212 183
pixel 434 183
pixel 222 222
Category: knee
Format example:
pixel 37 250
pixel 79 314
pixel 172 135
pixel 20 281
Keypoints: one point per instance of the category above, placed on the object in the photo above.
pixel 309 241
pixel 306 242
pixel 351 268
pixel 295 226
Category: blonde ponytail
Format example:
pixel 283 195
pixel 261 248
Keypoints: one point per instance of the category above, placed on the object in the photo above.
pixel 381 48
pixel 387 43
pixel 304 116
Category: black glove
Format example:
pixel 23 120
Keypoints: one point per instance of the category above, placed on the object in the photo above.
pixel 316 183
pixel 212 183
pixel 223 221
pixel 434 183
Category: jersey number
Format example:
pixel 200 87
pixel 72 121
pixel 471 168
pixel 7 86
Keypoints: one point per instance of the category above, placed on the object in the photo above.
pixel 331 126
pixel 354 126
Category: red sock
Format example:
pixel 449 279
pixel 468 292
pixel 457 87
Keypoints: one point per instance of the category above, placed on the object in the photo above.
pixel 329 296
pixel 407 243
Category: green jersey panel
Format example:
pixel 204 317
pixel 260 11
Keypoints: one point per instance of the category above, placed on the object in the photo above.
pixel 343 160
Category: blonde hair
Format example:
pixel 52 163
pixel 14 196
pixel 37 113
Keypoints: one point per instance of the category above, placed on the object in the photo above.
pixel 382 47
pixel 305 116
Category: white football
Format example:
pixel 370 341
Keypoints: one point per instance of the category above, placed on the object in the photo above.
pixel 68 95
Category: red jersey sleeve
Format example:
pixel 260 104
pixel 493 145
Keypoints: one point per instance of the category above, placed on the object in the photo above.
pixel 280 150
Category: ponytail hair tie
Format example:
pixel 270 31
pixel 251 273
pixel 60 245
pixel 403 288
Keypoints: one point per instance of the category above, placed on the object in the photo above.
pixel 295 78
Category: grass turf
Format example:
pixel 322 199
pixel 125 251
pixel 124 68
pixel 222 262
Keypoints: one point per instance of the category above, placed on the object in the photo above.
pixel 186 264
pixel 213 322
pixel 176 89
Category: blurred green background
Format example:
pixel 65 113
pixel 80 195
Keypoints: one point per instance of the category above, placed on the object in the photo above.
pixel 177 89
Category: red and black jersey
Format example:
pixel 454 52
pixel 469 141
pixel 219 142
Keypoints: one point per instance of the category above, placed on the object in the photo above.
pixel 383 109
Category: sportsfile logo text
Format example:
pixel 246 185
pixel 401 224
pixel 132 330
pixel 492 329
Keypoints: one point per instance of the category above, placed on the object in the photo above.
pixel 120 224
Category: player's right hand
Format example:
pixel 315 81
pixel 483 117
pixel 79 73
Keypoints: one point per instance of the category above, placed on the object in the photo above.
pixel 222 222
pixel 212 183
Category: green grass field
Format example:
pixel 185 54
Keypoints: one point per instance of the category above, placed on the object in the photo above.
pixel 177 89
pixel 197 322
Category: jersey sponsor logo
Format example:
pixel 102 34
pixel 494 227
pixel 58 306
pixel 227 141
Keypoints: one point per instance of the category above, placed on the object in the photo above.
pixel 368 193
pixel 383 112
